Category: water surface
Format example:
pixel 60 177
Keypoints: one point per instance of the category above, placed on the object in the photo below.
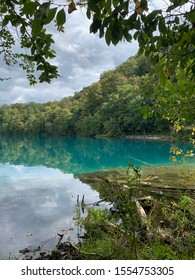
pixel 36 203
pixel 38 190
pixel 73 155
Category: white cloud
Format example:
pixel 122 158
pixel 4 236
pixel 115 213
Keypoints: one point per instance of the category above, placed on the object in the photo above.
pixel 159 4
pixel 81 58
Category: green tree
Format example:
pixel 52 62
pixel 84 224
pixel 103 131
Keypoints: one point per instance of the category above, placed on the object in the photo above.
pixel 114 106
pixel 167 32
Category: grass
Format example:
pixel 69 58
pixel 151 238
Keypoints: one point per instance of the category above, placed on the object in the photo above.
pixel 170 232
pixel 164 195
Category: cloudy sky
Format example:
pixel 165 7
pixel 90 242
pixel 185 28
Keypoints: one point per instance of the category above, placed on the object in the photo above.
pixel 81 58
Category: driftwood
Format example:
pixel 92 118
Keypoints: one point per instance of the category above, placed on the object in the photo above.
pixel 84 205
pixel 60 239
pixel 141 213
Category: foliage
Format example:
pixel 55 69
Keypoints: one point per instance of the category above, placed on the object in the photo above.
pixel 112 107
pixel 117 234
pixel 98 242
pixel 29 18
pixel 164 32
pixel 173 98
pixel 181 221
pixel 102 240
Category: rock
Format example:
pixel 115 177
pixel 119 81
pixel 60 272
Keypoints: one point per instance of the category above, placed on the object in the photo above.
pixel 24 251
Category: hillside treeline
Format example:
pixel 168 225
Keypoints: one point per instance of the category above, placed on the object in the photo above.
pixel 113 106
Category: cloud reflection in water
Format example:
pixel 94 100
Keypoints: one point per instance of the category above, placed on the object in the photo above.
pixel 37 200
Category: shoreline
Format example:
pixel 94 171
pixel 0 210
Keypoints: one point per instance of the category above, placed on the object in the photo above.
pixel 150 137
pixel 157 182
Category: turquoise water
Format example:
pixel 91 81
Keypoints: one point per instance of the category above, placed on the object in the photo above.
pixel 71 155
pixel 38 191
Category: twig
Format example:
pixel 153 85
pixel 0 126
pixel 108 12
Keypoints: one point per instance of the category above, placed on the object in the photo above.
pixel 60 239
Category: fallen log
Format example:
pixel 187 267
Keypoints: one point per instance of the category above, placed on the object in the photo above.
pixel 141 213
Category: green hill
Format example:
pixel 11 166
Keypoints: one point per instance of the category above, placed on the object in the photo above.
pixel 116 105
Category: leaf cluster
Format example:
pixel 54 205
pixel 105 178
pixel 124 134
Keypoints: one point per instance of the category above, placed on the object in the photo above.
pixel 167 33
pixel 29 19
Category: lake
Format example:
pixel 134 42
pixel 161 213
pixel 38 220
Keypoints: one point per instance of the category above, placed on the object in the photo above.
pixel 38 191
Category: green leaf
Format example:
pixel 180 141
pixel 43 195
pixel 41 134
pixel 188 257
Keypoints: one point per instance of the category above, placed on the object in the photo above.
pixel 108 36
pixel 152 16
pixel 191 16
pixel 177 20
pixel 136 34
pixel 93 7
pixel 5 21
pixel 61 18
pixel 144 112
pixel 115 3
pixel 22 29
pixel 108 6
pixel 29 8
pixel 144 4
pixel 117 33
pixel 170 8
pixel 106 21
pixel 137 24
pixel 88 13
pixel 3 9
pixel 162 26
pixel 127 35
pixel 132 21
pixel 101 31
pixel 162 78
pixel 126 6
pixel 51 15
pixel 95 25
pixel 36 26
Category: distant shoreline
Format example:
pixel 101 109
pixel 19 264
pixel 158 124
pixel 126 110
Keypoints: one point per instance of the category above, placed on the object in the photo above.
pixel 151 137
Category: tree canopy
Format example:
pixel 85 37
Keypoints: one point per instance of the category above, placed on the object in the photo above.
pixel 112 107
pixel 163 34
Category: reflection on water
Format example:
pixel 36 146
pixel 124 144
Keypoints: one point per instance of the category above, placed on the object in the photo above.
pixel 36 200
pixel 72 155
pixel 38 190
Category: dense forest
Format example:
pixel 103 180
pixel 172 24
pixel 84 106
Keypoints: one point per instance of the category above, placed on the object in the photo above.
pixel 113 106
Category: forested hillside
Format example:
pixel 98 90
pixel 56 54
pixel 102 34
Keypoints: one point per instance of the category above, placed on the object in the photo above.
pixel 114 106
